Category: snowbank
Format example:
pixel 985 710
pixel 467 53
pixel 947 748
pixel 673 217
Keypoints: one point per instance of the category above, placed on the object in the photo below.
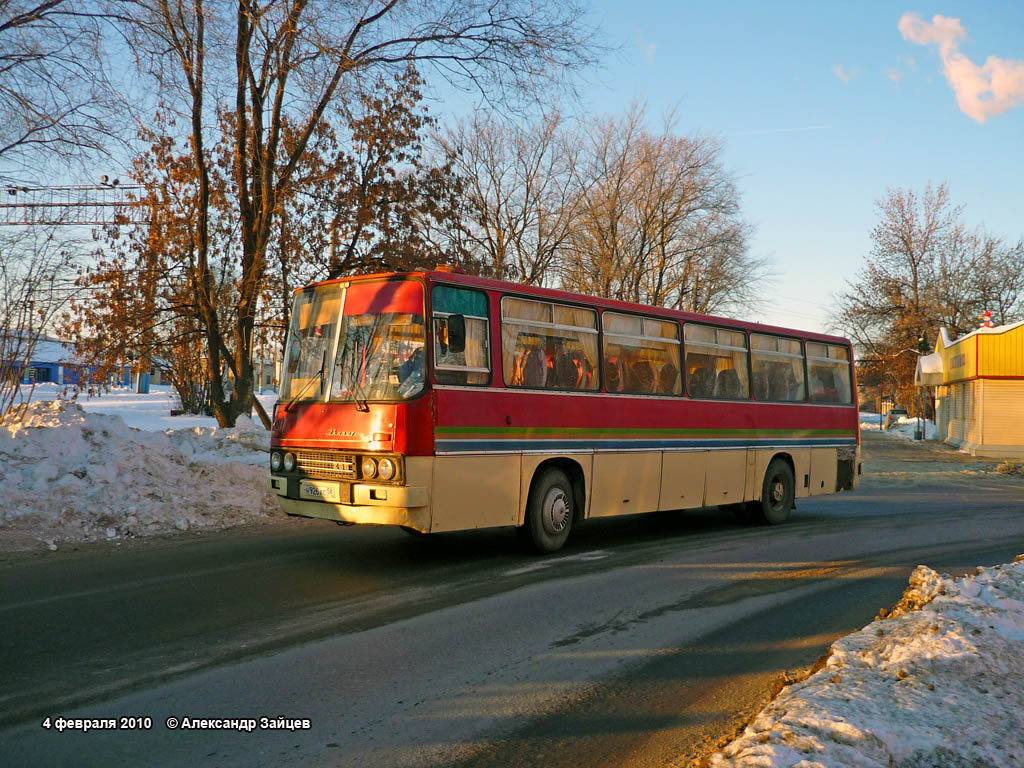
pixel 146 411
pixel 904 427
pixel 934 683
pixel 69 474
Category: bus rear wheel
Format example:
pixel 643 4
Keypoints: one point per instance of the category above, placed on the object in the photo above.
pixel 777 493
pixel 549 511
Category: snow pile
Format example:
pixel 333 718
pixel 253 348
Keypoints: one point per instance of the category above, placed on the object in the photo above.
pixel 246 443
pixel 68 474
pixel 934 683
pixel 904 427
pixel 870 420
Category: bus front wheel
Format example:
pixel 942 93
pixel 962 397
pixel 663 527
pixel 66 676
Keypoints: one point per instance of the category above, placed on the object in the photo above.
pixel 549 511
pixel 777 492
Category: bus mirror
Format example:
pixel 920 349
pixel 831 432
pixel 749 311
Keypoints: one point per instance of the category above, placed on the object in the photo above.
pixel 456 333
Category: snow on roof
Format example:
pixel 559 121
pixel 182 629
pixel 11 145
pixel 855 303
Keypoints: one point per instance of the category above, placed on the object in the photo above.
pixel 45 350
pixel 948 342
pixel 53 352
pixel 936 682
pixel 929 370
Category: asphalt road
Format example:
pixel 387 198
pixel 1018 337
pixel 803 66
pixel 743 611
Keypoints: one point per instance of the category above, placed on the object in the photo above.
pixel 644 642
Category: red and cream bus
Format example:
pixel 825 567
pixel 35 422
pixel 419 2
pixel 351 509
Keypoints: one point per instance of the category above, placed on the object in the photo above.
pixel 438 401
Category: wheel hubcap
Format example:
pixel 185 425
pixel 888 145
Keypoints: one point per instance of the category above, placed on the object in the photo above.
pixel 556 511
pixel 778 492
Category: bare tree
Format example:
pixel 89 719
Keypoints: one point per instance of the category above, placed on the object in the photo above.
pixel 926 269
pixel 365 197
pixel 998 279
pixel 520 193
pixel 36 282
pixel 659 220
pixel 288 60
pixel 141 302
pixel 54 99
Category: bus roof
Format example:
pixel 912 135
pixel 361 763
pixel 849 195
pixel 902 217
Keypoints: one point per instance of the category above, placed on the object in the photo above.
pixel 452 277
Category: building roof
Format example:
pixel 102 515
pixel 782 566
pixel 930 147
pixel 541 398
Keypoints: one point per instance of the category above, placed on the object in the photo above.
pixel 995 331
pixel 52 351
pixel 996 352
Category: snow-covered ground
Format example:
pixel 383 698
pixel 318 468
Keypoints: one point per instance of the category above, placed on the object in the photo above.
pixel 934 684
pixel 120 466
pixel 905 426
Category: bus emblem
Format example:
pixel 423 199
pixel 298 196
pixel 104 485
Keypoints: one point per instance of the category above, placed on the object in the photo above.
pixel 339 433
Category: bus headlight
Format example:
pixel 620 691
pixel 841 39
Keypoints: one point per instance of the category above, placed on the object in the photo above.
pixel 369 467
pixel 275 461
pixel 386 469
pixel 289 462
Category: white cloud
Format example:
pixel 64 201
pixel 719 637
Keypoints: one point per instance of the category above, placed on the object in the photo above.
pixel 842 74
pixel 981 91
pixel 942 31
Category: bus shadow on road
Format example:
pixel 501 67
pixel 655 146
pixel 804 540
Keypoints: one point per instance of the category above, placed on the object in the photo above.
pixel 618 533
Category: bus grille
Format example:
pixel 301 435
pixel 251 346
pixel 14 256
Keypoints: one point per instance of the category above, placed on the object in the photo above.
pixel 326 464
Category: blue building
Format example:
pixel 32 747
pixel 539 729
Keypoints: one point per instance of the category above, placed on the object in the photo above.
pixel 55 361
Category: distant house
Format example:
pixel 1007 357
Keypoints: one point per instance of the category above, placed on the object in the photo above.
pixel 979 396
pixel 54 361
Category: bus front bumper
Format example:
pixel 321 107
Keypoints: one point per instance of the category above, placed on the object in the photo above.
pixel 356 503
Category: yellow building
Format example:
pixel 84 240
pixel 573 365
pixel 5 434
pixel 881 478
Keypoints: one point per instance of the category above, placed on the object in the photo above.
pixel 979 396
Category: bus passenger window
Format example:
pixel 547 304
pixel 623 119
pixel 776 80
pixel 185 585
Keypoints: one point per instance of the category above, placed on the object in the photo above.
pixel 641 355
pixel 716 362
pixel 548 346
pixel 829 373
pixel 778 364
pixel 472 365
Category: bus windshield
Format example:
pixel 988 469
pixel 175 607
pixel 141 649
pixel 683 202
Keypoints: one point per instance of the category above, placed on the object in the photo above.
pixel 357 344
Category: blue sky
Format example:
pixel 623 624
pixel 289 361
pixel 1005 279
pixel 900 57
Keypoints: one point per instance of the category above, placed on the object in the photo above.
pixel 821 107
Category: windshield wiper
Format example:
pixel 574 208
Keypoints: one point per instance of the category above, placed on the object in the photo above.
pixel 360 393
pixel 360 396
pixel 319 375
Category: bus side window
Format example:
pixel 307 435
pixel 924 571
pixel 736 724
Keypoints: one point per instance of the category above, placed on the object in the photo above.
pixel 472 364
pixel 641 354
pixel 548 346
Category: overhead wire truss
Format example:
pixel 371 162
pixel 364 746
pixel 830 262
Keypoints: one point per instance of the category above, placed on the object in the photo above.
pixel 82 205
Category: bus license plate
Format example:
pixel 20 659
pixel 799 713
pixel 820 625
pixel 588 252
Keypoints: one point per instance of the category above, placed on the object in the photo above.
pixel 320 491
